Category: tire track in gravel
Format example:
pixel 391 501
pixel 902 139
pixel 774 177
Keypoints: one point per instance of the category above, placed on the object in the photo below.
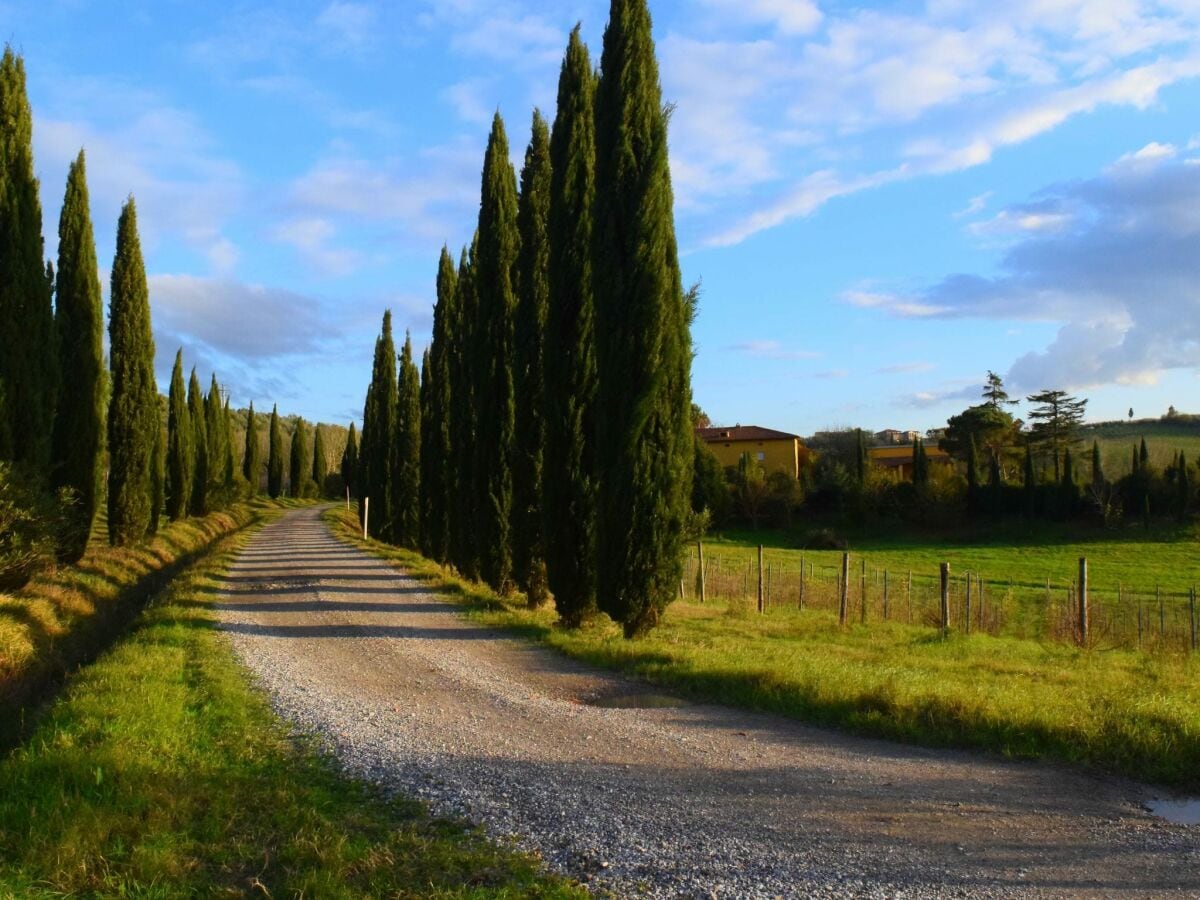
pixel 695 800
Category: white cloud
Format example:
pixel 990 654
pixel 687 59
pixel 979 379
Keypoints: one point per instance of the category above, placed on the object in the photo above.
pixel 769 349
pixel 351 24
pixel 789 17
pixel 314 237
pixel 905 368
pixel 975 205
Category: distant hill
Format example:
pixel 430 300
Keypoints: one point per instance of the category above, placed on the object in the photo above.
pixel 1164 436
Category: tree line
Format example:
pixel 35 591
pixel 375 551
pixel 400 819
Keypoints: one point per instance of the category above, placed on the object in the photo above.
pixel 77 431
pixel 546 443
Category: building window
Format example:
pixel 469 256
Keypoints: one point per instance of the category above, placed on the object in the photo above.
pixel 761 456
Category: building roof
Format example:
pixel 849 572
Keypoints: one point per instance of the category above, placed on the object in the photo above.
pixel 744 433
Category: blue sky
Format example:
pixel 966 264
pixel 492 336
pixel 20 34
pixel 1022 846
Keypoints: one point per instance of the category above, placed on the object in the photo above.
pixel 882 201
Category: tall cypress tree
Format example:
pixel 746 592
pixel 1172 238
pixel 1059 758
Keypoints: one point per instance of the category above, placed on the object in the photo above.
pixel 429 433
pixel 230 451
pixel 1029 482
pixel 198 499
pixel 972 476
pixel 252 454
pixel 133 406
pixel 529 328
pixel 180 456
pixel 1183 486
pixel 78 443
pixel 569 383
pixel 320 464
pixel 495 261
pixel 437 456
pixel 406 469
pixel 379 434
pixel 214 427
pixel 644 350
pixel 299 461
pixel 464 533
pixel 350 461
pixel 29 363
pixel 157 480
pixel 1097 467
pixel 275 456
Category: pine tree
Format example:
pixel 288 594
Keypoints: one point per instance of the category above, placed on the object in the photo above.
pixel 198 499
pixel 495 262
pixel 379 435
pixel 429 432
pixel 214 427
pixel 320 464
pixel 406 470
pixel 133 406
pixel 29 361
pixel 994 394
pixel 275 456
pixel 350 461
pixel 437 457
pixel 464 534
pixel 644 432
pixel 180 453
pixel 252 454
pixel 78 444
pixel 1056 420
pixel 569 385
pixel 299 461
pixel 533 210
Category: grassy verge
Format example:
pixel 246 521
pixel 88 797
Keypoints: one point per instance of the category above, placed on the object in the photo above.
pixel 65 617
pixel 1122 711
pixel 160 773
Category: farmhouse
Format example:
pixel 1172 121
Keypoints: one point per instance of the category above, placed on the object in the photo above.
pixel 901 458
pixel 775 451
pixel 895 436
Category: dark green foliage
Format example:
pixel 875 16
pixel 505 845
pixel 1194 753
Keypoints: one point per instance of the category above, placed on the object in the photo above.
pixel 569 388
pixel 533 286
pixel 1056 420
pixel 379 435
pixel 920 475
pixel 29 363
pixel 299 462
pixel 218 452
pixel 77 460
pixel 860 458
pixel 350 461
pixel 275 456
pixel 230 452
pixel 1029 483
pixel 1183 488
pixel 320 464
pixel 429 433
pixel 710 489
pixel 995 486
pixel 994 394
pixel 644 434
pixel 406 467
pixel 972 463
pixel 180 448
pixel 1098 480
pixel 494 401
pixel 1143 458
pixel 198 499
pixel 437 462
pixel 1068 487
pixel 157 481
pixel 991 428
pixel 252 454
pixel 27 527
pixel 133 409
pixel 464 535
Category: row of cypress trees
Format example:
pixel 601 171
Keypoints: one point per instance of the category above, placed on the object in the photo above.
pixel 556 454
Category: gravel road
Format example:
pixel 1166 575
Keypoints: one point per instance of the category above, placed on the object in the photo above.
pixel 674 800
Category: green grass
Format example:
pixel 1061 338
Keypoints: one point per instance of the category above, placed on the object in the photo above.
pixel 161 773
pixel 1122 711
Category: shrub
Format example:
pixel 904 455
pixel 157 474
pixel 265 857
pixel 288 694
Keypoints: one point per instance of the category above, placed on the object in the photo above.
pixel 29 526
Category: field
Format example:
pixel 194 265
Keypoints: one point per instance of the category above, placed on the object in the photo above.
pixel 1163 440
pixel 161 773
pixel 1120 710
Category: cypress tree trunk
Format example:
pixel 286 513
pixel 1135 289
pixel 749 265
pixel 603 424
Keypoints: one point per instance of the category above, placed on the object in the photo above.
pixel 133 408
pixel 350 462
pixel 464 532
pixel 569 383
pixel 252 455
pixel 198 499
pixel 429 430
pixel 179 445
pixel 438 456
pixel 320 465
pixel 28 359
pixel 533 211
pixel 299 462
pixel 379 434
pixel 644 433
pixel 218 454
pixel 496 260
pixel 275 456
pixel 78 443
pixel 406 471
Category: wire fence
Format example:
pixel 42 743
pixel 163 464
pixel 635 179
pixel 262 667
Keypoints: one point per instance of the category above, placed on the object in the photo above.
pixel 855 590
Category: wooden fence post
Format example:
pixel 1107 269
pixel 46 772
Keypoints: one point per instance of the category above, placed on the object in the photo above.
pixel 347 496
pixel 863 588
pixel 945 572
pixel 843 589
pixel 885 593
pixel 1162 614
pixel 967 618
pixel 760 579
pixel 1192 616
pixel 366 513
pixel 801 581
pixel 979 582
pixel 700 552
pixel 1083 602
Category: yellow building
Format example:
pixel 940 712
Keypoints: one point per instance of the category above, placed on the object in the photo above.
pixel 775 451
pixel 902 458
